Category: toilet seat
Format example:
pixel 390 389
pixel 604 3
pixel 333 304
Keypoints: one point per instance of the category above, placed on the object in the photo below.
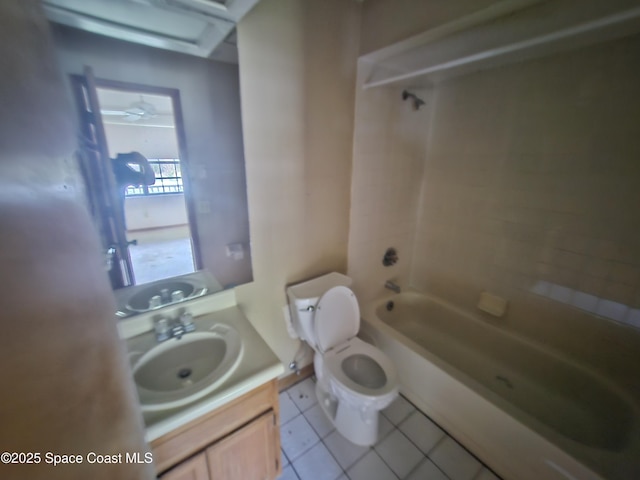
pixel 336 319
pixel 345 385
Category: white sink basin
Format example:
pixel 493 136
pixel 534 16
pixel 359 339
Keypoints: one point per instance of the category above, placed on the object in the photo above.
pixel 140 301
pixel 179 371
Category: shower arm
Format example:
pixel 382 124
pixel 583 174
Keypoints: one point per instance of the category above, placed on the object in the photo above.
pixel 417 101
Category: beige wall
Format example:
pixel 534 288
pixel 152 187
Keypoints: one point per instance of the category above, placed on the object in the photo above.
pixel 297 60
pixel 388 21
pixel 210 98
pixel 531 191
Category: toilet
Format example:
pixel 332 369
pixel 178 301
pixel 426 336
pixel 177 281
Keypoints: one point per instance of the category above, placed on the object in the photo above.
pixel 355 379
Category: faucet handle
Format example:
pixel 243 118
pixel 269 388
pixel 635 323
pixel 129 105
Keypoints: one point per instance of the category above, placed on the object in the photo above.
pixel 162 328
pixel 186 320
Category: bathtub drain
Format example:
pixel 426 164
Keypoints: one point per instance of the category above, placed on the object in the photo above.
pixel 390 306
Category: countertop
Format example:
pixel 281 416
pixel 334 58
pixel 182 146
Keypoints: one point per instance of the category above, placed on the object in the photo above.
pixel 258 365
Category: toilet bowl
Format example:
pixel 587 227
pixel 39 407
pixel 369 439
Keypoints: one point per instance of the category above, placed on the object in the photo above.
pixel 355 379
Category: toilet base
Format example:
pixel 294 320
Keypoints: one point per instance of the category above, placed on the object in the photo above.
pixel 351 423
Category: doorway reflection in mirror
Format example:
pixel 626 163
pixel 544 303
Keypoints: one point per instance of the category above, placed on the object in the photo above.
pixel 149 182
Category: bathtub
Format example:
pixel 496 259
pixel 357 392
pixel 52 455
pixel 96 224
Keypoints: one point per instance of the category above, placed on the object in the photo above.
pixel 526 411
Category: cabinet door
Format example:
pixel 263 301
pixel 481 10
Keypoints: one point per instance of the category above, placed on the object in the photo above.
pixel 248 454
pixel 193 469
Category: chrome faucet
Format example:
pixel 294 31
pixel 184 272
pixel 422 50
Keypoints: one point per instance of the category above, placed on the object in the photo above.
pixel 166 329
pixel 392 286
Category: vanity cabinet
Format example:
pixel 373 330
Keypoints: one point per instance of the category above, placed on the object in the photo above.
pixel 193 469
pixel 238 441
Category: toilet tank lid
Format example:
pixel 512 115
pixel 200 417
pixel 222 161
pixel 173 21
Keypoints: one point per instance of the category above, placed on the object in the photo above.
pixel 337 318
pixel 316 287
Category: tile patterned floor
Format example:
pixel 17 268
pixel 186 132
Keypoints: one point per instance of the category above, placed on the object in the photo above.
pixel 410 445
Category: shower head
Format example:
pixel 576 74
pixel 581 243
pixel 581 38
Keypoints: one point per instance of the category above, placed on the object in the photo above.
pixel 417 102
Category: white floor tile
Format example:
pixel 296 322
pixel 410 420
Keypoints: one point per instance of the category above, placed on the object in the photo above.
pixel 398 410
pixel 303 394
pixel 297 437
pixel 421 431
pixel 427 470
pixel 319 421
pixel 486 474
pixel 288 474
pixel 371 467
pixel 345 452
pixel 455 461
pixel 317 464
pixel 399 453
pixel 384 427
pixel 284 461
pixel 288 409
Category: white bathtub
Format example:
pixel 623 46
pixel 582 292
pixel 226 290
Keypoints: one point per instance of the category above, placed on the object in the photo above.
pixel 525 411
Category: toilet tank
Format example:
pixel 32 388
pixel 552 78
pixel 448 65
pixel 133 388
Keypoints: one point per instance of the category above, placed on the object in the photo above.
pixel 304 295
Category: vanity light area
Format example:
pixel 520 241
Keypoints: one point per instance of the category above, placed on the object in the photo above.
pixel 231 431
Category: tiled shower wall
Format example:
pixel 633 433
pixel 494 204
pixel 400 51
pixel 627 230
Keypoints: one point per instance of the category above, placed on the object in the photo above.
pixel 528 188
pixel 531 191
pixel 388 160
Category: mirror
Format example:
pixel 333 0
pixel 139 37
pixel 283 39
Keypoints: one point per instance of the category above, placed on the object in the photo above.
pixel 154 209
pixel 190 226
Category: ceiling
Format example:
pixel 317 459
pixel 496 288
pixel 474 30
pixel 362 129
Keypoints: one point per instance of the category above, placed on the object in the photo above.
pixel 203 28
pixel 123 108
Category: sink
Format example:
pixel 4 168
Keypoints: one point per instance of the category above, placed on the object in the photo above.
pixel 179 371
pixel 139 302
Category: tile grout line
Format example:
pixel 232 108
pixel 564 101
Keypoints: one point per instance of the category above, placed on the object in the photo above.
pixel 397 427
pixel 343 471
pixel 426 456
pixel 383 460
pixel 446 434
pixel 294 471
pixel 305 451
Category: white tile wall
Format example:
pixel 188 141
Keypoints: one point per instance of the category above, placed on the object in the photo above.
pixel 509 180
pixel 386 180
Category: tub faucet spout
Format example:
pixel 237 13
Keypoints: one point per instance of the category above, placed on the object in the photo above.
pixel 392 286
